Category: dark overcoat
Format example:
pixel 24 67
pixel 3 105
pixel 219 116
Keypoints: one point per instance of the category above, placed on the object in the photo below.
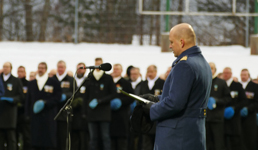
pixel 104 90
pixel 119 125
pixel 8 111
pixel 182 107
pixel 43 125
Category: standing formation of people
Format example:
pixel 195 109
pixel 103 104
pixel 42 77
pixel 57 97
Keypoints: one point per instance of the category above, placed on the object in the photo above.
pixel 190 106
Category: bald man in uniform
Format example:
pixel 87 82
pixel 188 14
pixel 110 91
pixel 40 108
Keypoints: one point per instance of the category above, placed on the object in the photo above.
pixel 181 108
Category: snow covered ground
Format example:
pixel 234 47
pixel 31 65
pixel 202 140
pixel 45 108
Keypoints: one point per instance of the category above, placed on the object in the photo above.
pixel 30 54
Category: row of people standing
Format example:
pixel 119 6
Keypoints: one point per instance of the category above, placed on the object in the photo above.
pixel 100 113
pixel 231 114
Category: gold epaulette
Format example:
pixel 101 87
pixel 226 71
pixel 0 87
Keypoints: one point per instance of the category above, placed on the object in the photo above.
pixel 183 58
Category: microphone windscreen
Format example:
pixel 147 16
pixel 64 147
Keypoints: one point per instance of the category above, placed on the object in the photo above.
pixel 105 67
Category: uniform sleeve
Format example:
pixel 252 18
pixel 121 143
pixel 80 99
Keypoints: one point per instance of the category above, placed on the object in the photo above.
pixel 1 88
pixel 226 95
pixel 112 92
pixel 242 98
pixel 181 81
pixel 19 97
pixel 28 101
pixel 254 105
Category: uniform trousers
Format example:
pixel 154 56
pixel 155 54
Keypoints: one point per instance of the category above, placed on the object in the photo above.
pixel 215 137
pixel 119 143
pixel 8 136
pixel 102 129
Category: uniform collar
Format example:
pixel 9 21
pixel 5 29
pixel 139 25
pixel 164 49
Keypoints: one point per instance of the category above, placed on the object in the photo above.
pixel 6 77
pixel 61 77
pixel 192 50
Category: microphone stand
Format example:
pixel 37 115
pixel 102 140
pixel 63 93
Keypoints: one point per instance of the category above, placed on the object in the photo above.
pixel 68 108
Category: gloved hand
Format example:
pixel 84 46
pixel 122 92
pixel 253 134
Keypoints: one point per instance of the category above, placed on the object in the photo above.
pixel 77 102
pixel 9 99
pixel 115 104
pixel 229 112
pixel 38 106
pixel 63 98
pixel 146 108
pixel 93 103
pixel 244 112
pixel 211 103
pixel 150 97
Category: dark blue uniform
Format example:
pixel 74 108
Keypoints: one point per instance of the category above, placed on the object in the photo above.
pixel 182 107
pixel 43 125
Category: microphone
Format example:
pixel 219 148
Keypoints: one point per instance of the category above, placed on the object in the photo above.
pixel 104 67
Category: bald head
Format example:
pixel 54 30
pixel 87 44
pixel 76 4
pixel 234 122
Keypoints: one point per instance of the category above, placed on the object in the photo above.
pixel 181 37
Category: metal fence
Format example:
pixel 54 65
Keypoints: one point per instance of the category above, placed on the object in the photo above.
pixel 119 21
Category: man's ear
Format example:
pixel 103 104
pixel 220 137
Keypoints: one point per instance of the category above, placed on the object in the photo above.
pixel 182 43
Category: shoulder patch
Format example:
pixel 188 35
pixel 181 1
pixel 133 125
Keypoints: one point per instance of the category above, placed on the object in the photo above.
pixel 183 58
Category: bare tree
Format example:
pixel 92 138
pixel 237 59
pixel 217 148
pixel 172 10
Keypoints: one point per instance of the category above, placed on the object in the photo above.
pixel 28 20
pixel 43 24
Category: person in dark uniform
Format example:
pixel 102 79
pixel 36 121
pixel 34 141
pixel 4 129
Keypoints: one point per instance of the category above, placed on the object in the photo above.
pixel 181 108
pixel 136 79
pixel 219 99
pixel 232 116
pixel 9 107
pixel 135 141
pixel 99 92
pixel 66 83
pixel 248 113
pixel 153 85
pixel 119 126
pixel 23 123
pixel 80 132
pixel 43 97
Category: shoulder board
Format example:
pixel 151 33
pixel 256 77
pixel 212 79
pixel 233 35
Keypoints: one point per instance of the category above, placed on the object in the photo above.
pixel 183 58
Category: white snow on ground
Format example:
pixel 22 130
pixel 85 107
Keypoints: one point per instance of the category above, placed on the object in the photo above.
pixel 30 54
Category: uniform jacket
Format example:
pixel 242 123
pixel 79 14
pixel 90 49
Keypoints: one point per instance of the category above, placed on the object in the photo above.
pixel 220 91
pixel 119 126
pixel 137 89
pixel 21 105
pixel 251 102
pixel 156 90
pixel 104 90
pixel 67 88
pixel 249 125
pixel 79 118
pixel 8 111
pixel 233 125
pixel 43 125
pixel 181 110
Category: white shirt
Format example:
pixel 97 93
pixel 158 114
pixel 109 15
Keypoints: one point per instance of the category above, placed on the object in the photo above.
pixel 116 79
pixel 151 82
pixel 61 77
pixel 79 80
pixel 244 84
pixel 41 81
pixel 229 81
pixel 6 77
pixel 135 83
pixel 98 74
